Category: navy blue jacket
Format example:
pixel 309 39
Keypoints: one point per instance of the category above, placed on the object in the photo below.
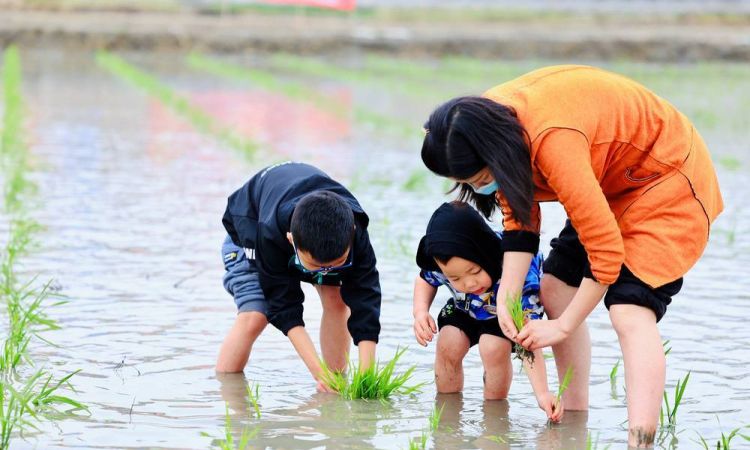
pixel 258 216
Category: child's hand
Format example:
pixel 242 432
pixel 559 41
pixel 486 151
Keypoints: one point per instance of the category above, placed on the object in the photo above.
pixel 324 388
pixel 424 328
pixel 554 409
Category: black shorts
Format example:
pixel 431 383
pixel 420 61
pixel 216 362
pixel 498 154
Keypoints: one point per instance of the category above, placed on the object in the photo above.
pixel 569 262
pixel 472 328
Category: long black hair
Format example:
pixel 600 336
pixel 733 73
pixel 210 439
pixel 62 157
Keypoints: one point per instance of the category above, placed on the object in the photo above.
pixel 465 135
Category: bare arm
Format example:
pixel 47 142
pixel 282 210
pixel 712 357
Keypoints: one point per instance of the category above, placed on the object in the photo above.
pixel 424 325
pixel 537 373
pixel 515 268
pixel 306 351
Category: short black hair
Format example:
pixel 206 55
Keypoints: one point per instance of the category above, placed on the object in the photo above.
pixel 467 134
pixel 323 225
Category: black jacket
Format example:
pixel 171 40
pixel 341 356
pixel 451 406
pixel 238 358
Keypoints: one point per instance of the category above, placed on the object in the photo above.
pixel 258 216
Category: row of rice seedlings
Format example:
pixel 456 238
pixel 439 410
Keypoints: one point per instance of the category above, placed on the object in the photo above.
pixel 316 67
pixel 375 382
pixel 517 313
pixel 199 118
pixel 22 402
pixel 296 91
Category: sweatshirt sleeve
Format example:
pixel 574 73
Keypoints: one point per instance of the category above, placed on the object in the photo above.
pixel 564 160
pixel 360 291
pixel 283 293
pixel 517 237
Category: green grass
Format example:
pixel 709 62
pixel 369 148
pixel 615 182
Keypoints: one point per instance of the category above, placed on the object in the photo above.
pixel 668 412
pixel 374 382
pixel 667 347
pixel 730 163
pixel 496 438
pixel 179 104
pixel 515 308
pixel 254 395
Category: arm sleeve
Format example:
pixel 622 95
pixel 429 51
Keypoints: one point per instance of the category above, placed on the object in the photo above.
pixel 564 159
pixel 516 237
pixel 360 291
pixel 430 278
pixel 283 293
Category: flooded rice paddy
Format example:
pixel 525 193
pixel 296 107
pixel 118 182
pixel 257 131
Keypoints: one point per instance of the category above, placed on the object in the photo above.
pixel 132 182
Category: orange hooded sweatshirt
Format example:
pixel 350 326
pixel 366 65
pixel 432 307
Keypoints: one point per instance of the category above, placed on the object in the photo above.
pixel 633 175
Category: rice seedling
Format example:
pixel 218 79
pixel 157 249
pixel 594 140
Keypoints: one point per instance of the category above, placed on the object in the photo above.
pixel 565 383
pixel 496 438
pixel 669 412
pixel 725 441
pixel 666 346
pixel 228 442
pixel 372 383
pixel 417 181
pixel 199 118
pixel 613 378
pixel 419 443
pixel 730 163
pixel 435 417
pixel 254 395
pixel 515 308
pixel 593 444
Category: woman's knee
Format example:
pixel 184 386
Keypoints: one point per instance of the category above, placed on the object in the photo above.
pixel 629 320
pixel 555 295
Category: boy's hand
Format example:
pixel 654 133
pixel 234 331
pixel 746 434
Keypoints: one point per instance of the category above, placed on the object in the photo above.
pixel 424 328
pixel 554 409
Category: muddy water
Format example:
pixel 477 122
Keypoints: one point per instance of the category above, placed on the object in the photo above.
pixel 131 197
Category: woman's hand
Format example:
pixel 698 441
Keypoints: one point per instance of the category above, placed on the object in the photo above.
pixel 541 333
pixel 549 403
pixel 424 328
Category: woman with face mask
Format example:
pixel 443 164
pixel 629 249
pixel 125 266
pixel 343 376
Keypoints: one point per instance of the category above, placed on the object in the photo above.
pixel 638 186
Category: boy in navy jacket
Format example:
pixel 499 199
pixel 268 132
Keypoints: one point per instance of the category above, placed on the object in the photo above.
pixel 293 223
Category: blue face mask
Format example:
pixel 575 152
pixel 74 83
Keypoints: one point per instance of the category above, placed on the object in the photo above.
pixel 487 189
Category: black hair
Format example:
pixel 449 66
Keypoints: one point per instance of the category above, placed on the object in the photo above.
pixel 323 225
pixel 465 135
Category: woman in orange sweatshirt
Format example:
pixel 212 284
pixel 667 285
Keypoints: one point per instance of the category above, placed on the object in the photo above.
pixel 637 183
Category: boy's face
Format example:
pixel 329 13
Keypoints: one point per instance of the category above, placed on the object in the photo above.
pixel 465 276
pixel 313 265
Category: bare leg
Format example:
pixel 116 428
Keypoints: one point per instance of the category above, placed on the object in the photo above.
pixel 452 346
pixel 498 371
pixel 573 352
pixel 235 350
pixel 645 367
pixel 334 334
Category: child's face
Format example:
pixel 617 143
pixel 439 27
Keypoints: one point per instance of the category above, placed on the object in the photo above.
pixel 466 276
